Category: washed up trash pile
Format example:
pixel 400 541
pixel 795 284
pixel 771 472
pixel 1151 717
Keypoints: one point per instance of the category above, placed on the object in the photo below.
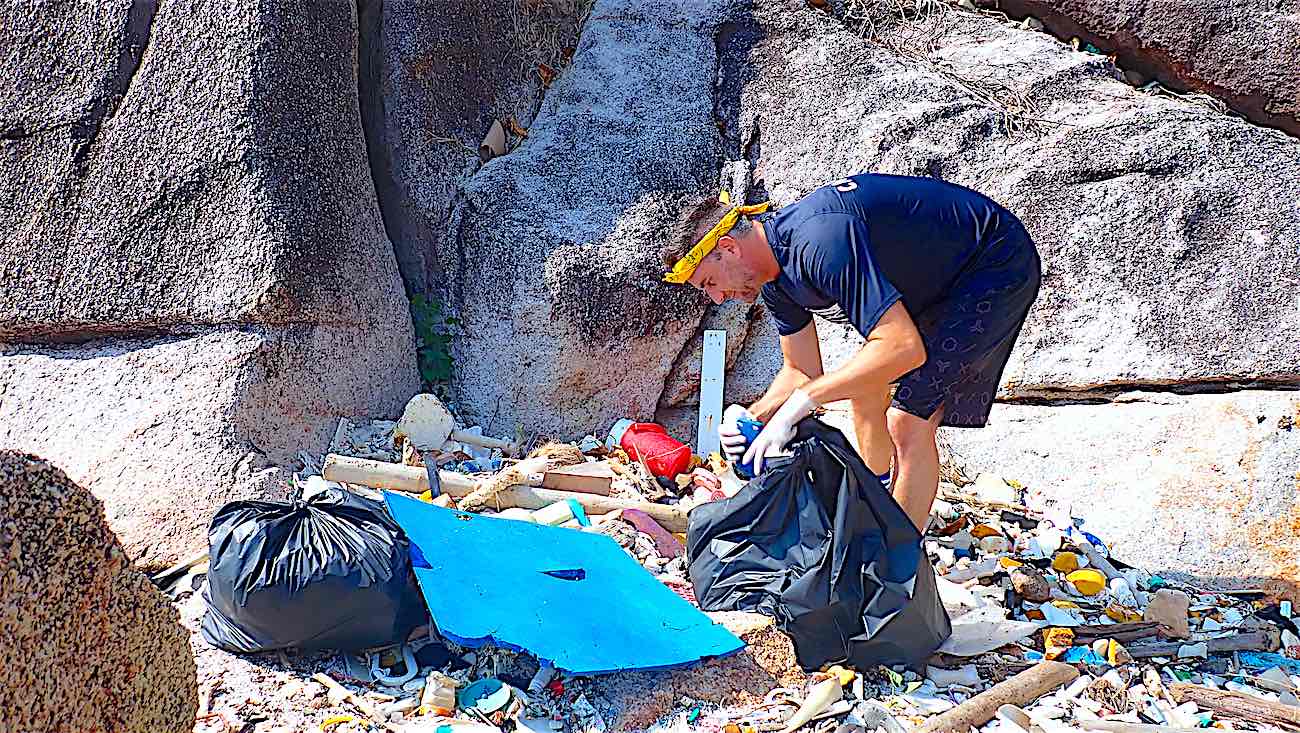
pixel 561 562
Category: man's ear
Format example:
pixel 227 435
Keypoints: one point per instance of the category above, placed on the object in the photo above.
pixel 729 244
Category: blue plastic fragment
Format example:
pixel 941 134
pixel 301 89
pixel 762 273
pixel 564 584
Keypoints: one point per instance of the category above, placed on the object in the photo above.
pixel 1156 582
pixel 487 696
pixel 1033 656
pixel 579 513
pixel 1266 660
pixel 490 579
pixel 1082 655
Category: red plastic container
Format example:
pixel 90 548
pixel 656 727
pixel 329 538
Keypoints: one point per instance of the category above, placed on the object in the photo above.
pixel 663 454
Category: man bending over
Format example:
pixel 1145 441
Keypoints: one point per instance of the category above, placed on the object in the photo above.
pixel 937 278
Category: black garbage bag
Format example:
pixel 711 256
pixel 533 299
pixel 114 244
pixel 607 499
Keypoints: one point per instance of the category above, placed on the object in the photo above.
pixel 819 544
pixel 329 572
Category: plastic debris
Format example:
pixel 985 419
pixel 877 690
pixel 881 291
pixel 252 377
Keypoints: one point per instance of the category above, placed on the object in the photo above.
pixel 984 630
pixel 487 579
pixel 1087 581
pixel 994 490
pixel 1003 576
pixel 819 698
pixel 1066 562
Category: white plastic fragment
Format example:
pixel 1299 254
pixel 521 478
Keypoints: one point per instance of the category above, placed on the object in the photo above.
pixel 1285 608
pixel 925 700
pixel 1121 593
pixel 1275 679
pixel 1199 649
pixel 1114 679
pixel 713 365
pixel 968 676
pixel 1050 539
pixel 944 510
pixel 1077 687
pixel 1014 719
pixel 1053 616
pixel 981 569
pixel 1289 639
pixel 984 630
pixel 992 488
pixel 1040 713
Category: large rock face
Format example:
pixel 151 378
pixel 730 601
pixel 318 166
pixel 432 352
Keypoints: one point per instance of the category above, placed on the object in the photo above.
pixel 1241 51
pixel 188 202
pixel 90 645
pixel 432 83
pixel 566 327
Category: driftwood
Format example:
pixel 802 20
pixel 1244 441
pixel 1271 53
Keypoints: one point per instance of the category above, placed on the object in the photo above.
pixel 971 499
pixel 1120 726
pixel 1252 641
pixel 357 701
pixel 1022 689
pixel 395 476
pixel 1239 706
pixel 1123 633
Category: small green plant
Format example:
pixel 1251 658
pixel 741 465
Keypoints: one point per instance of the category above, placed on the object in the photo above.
pixel 433 354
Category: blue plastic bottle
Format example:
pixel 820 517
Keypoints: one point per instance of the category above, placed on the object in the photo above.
pixel 750 429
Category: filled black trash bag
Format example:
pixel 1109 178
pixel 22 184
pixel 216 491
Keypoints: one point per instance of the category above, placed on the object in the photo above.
pixel 329 572
pixel 818 543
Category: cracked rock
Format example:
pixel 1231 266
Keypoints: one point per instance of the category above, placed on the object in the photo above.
pixel 90 644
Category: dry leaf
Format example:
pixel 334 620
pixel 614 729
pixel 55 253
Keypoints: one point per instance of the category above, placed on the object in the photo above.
pixel 546 73
pixel 515 128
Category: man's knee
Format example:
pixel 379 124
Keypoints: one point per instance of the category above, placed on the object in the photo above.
pixel 911 434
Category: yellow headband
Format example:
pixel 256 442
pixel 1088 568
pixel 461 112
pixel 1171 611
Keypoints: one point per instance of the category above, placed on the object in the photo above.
pixel 685 267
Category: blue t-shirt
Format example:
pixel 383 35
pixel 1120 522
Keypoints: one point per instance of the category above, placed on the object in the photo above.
pixel 850 250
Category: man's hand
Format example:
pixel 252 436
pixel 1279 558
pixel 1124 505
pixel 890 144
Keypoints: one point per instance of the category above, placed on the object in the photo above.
pixel 729 435
pixel 779 431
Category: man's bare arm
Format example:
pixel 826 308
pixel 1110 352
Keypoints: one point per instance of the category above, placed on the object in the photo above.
pixel 802 363
pixel 893 348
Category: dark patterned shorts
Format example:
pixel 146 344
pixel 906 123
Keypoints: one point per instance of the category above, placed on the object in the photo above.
pixel 969 336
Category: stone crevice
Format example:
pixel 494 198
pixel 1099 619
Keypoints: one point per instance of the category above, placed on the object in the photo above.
pixel 1139 45
pixel 1122 393
pixel 76 336
pixel 407 229
pixel 139 28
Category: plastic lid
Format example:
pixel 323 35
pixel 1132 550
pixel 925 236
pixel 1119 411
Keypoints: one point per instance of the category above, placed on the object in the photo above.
pixel 616 433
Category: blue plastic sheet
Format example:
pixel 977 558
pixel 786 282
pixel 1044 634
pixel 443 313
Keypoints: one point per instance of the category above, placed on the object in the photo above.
pixel 572 598
pixel 1268 660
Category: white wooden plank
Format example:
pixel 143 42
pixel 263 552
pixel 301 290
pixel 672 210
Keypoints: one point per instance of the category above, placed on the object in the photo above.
pixel 712 372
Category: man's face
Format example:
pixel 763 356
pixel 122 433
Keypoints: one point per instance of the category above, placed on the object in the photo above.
pixel 725 275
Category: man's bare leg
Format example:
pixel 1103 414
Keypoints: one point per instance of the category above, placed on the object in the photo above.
pixel 916 473
pixel 872 429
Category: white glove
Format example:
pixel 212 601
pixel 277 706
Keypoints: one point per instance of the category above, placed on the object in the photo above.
pixel 729 435
pixel 780 430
